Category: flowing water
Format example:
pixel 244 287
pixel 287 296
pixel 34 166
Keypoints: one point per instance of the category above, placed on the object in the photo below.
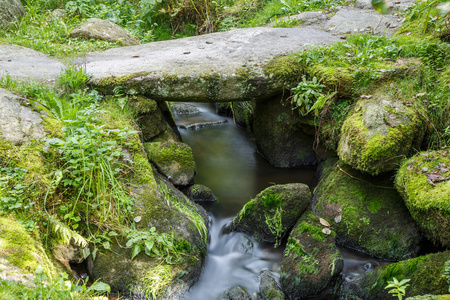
pixel 228 163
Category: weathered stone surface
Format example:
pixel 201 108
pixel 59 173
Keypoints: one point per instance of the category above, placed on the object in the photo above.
pixel 217 67
pixel 103 30
pixel 236 293
pixel 10 12
pixel 273 212
pixel 423 182
pixel 280 136
pixel 312 19
pixel 378 134
pixel 200 193
pixel 173 159
pixel 367 213
pixel 353 20
pixel 425 273
pixel 269 288
pixel 311 260
pixel 18 123
pixel 26 64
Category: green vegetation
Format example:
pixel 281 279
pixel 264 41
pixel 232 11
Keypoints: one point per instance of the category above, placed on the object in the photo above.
pixel 398 288
pixel 75 186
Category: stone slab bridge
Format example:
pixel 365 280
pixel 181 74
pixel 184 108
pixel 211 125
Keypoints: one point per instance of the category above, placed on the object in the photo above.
pixel 217 67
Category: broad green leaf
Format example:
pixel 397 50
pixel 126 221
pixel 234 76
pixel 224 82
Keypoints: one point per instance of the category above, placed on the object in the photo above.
pixel 149 244
pixel 100 287
pixel 136 250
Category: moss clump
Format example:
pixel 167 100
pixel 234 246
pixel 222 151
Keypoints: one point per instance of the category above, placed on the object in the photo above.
pixel 310 260
pixel 427 198
pixel 335 78
pixel 284 68
pixel 377 134
pixel 425 273
pixel 21 250
pixel 367 213
pixel 273 212
pixel 173 159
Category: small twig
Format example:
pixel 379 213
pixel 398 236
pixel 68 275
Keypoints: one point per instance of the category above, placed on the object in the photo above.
pixel 359 179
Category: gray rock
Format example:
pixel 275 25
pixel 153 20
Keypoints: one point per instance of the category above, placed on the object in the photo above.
pixel 353 20
pixel 18 122
pixel 200 193
pixel 366 212
pixel 59 13
pixel 273 212
pixel 10 12
pixel 183 109
pixel 310 261
pixel 173 159
pixel 236 293
pixel 26 64
pixel 269 288
pixel 103 30
pixel 280 136
pixel 378 133
pixel 217 67
pixel 197 125
pixel 312 19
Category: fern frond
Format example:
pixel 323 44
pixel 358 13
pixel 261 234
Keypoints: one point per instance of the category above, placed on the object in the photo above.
pixel 67 234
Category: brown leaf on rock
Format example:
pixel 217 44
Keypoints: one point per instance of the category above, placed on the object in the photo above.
pixel 324 222
pixel 326 231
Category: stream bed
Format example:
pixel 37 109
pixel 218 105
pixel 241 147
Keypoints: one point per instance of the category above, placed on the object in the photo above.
pixel 228 163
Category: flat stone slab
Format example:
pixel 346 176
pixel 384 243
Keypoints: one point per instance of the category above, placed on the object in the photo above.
pixel 27 64
pixel 354 20
pixel 222 66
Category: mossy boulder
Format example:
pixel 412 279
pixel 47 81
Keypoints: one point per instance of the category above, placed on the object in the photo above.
pixel 280 136
pixel 423 182
pixel 367 213
pixel 430 297
pixel 243 114
pixel 425 272
pixel 171 214
pixel 269 288
pixel 173 159
pixel 21 253
pixel 236 293
pixel 154 120
pixel 311 260
pixel 200 193
pixel 273 212
pixel 378 133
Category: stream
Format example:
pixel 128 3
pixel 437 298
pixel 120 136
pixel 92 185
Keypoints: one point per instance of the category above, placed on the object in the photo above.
pixel 228 163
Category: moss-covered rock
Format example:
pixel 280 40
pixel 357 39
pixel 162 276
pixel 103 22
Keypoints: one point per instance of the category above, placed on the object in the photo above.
pixel 425 273
pixel 430 297
pixel 174 160
pixel 236 293
pixel 269 288
pixel 423 182
pixel 200 193
pixel 273 212
pixel 171 214
pixel 378 134
pixel 21 253
pixel 311 260
pixel 154 119
pixel 281 137
pixel 367 213
pixel 243 114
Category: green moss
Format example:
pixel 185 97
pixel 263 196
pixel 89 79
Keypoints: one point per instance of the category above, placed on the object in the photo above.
pixel 284 68
pixel 335 78
pixel 166 153
pixel 428 203
pixel 310 224
pixel 109 82
pixel 271 200
pixel 20 249
pixel 157 280
pixel 373 216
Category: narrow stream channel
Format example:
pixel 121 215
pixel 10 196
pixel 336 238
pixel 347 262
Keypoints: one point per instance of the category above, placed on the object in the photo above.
pixel 228 163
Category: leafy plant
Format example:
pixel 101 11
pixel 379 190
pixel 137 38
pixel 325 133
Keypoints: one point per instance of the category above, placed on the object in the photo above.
pixel 447 272
pixel 157 245
pixel 397 288
pixel 309 95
